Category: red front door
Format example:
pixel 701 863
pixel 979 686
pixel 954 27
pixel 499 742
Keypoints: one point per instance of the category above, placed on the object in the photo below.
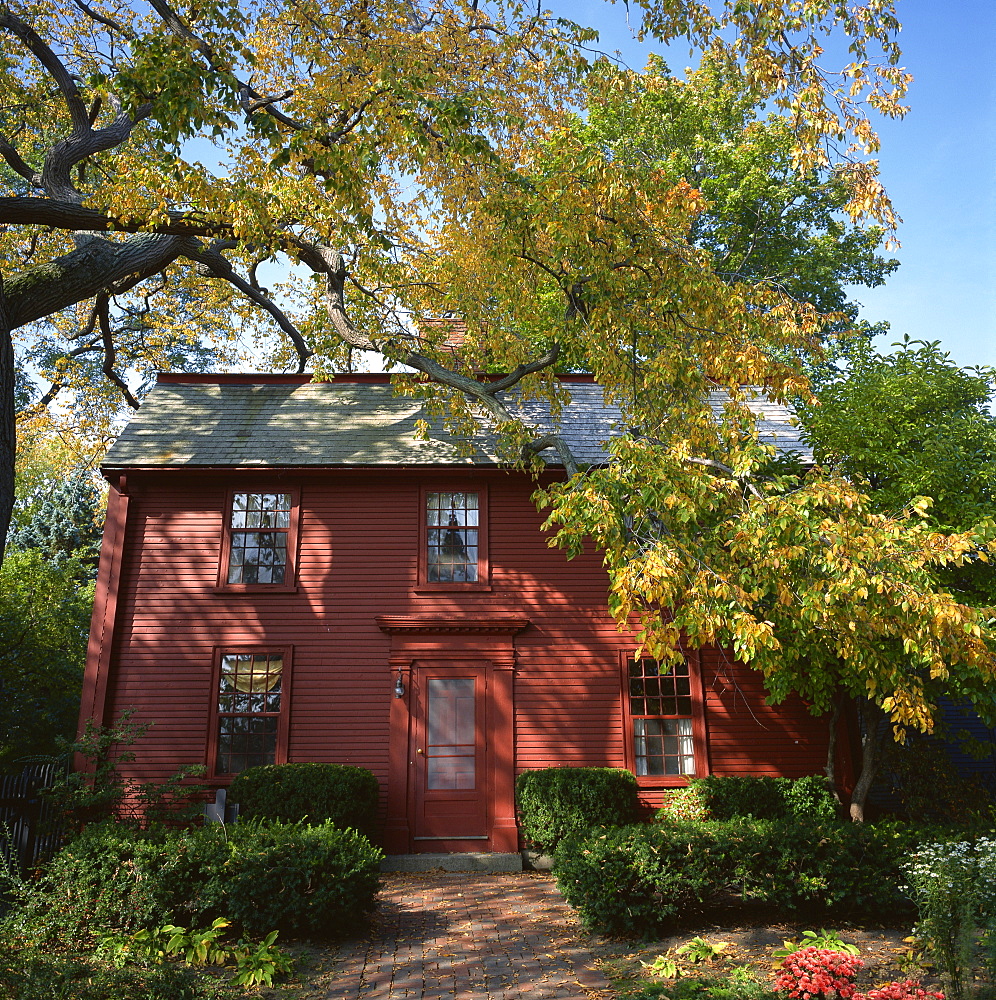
pixel 449 758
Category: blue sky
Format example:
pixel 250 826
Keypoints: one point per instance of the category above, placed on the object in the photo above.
pixel 937 165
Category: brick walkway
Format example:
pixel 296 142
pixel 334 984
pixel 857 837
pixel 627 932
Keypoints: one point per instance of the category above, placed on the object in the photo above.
pixel 479 937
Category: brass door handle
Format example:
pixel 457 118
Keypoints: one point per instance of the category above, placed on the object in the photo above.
pixel 419 750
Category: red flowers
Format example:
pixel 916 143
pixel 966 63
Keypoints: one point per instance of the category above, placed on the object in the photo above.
pixel 906 990
pixel 820 972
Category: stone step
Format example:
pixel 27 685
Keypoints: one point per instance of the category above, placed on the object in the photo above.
pixel 452 863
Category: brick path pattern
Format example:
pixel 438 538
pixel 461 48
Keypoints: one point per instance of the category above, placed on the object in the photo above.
pixel 436 936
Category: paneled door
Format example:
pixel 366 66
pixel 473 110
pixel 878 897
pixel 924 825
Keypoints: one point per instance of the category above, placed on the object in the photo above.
pixel 449 758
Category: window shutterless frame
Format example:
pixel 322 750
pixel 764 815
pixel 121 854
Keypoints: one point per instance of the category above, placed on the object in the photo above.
pixel 244 704
pixel 239 524
pixel 453 535
pixel 655 709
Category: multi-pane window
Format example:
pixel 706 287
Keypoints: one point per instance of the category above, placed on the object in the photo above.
pixel 660 702
pixel 452 537
pixel 259 526
pixel 249 694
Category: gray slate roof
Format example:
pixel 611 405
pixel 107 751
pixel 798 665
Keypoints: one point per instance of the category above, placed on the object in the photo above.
pixel 348 424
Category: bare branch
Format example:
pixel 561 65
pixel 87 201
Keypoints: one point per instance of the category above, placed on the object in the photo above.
pixel 263 102
pixel 107 337
pixel 252 101
pixel 213 264
pixel 101 19
pixel 713 464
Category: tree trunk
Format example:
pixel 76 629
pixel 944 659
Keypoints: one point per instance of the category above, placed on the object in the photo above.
pixel 831 769
pixel 869 716
pixel 8 423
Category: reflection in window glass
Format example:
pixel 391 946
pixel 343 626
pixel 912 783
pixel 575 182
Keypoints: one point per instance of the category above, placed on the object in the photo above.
pixel 248 711
pixel 258 545
pixel 661 708
pixel 452 521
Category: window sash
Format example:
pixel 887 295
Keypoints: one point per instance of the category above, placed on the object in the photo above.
pixel 452 522
pixel 259 528
pixel 662 715
pixel 248 711
pixel 664 747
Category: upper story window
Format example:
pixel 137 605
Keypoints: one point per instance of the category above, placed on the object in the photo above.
pixel 259 540
pixel 452 537
pixel 664 721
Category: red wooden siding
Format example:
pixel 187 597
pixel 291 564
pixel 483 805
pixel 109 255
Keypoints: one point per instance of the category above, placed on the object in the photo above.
pixel 357 560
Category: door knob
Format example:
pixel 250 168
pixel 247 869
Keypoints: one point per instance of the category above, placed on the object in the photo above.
pixel 419 750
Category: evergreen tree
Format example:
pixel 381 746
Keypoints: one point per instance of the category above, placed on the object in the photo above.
pixel 66 526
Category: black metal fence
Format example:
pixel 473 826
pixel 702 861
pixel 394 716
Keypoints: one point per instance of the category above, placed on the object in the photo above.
pixel 30 827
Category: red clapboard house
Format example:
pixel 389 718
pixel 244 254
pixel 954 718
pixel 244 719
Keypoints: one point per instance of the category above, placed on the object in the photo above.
pixel 289 573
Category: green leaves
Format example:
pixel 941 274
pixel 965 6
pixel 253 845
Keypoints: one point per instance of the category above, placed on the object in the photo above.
pixel 803 579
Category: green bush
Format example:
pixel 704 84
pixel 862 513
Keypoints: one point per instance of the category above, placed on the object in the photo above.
pixel 557 802
pixel 810 798
pixel 312 881
pixel 116 878
pixel 725 797
pixel 305 881
pixel 686 803
pixel 28 974
pixel 292 793
pixel 635 880
pixel 638 880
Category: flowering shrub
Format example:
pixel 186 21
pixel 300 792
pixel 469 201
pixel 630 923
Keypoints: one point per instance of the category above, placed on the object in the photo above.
pixel 905 990
pixel 954 887
pixel 818 972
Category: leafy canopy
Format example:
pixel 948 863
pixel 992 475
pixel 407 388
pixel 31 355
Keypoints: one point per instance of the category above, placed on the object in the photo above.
pixel 912 424
pixel 408 159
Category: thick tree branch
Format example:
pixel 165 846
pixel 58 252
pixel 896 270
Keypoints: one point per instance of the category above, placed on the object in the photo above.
pixel 70 216
pixel 329 262
pixel 46 288
pixel 14 160
pixel 563 450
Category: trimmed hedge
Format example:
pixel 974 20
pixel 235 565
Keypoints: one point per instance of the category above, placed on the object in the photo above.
pixel 725 797
pixel 558 802
pixel 639 880
pixel 305 881
pixel 317 793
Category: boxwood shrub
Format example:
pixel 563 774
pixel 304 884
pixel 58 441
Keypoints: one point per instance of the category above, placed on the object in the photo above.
pixel 725 797
pixel 557 802
pixel 306 881
pixel 292 793
pixel 641 880
pixel 315 882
